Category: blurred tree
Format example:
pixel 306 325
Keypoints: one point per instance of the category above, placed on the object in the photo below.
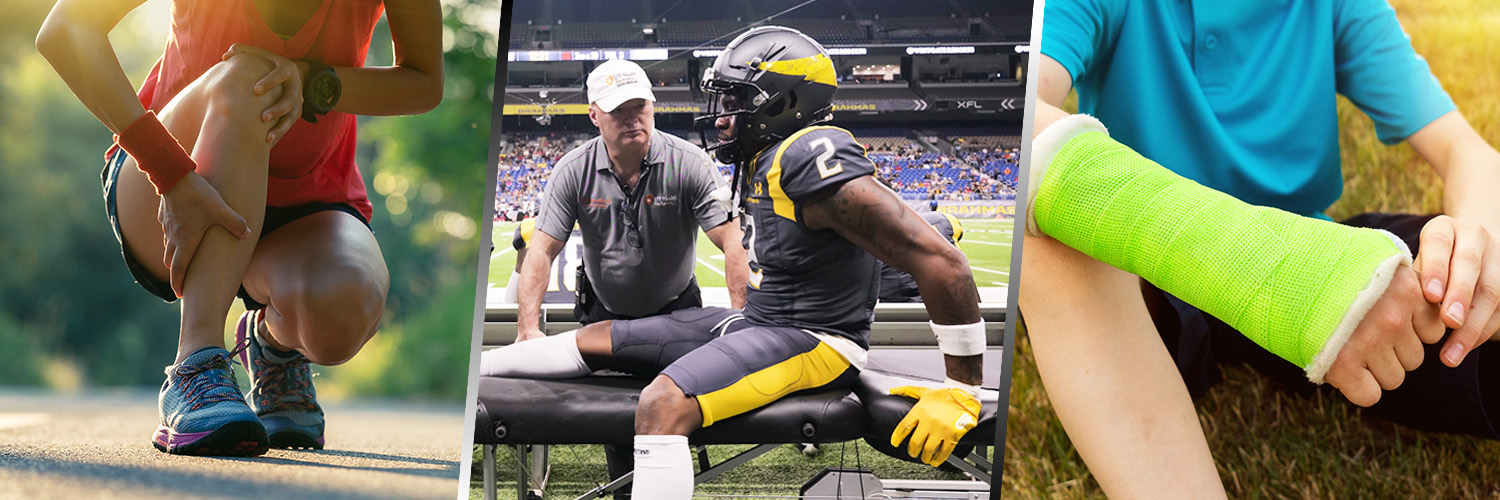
pixel 63 284
pixel 427 183
pixel 65 295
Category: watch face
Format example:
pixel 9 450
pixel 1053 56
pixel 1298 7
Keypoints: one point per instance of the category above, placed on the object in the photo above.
pixel 322 91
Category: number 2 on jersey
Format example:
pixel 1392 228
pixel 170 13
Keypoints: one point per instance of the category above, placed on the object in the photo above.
pixel 823 169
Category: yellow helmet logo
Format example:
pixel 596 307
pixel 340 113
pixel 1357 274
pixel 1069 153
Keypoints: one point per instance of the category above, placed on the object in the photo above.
pixel 816 69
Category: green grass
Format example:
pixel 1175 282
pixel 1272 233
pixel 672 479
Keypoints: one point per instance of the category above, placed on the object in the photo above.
pixel 1268 442
pixel 781 472
pixel 1457 39
pixel 986 242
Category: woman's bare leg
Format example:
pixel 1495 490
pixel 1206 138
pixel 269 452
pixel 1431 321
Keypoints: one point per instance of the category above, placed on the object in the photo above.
pixel 217 119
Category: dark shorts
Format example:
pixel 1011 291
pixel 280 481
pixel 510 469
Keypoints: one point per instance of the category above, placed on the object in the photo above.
pixel 728 364
pixel 275 218
pixel 1433 397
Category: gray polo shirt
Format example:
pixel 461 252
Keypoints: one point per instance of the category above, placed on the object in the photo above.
pixel 637 245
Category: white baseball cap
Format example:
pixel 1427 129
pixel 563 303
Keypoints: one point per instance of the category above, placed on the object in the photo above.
pixel 617 81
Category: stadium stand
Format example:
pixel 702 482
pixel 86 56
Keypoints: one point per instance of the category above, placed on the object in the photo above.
pixel 983 168
pixel 525 164
pixel 679 34
pixel 594 24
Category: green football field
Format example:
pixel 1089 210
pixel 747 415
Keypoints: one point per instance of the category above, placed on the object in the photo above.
pixel 986 242
pixel 781 473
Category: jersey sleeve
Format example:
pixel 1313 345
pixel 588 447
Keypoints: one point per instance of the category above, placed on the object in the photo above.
pixel 815 159
pixel 1380 72
pixel 522 239
pixel 706 184
pixel 1076 31
pixel 946 225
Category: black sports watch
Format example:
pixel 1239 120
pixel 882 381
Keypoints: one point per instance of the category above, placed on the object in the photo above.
pixel 320 89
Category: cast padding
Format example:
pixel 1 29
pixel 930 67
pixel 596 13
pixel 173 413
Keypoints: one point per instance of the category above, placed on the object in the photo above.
pixel 1295 285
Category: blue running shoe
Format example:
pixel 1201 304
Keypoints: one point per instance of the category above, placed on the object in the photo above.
pixel 281 391
pixel 202 411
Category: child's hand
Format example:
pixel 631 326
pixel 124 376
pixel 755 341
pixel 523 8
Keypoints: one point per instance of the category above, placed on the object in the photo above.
pixel 1388 341
pixel 1460 272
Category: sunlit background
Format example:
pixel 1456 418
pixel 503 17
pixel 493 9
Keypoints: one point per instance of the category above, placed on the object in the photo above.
pixel 72 319
pixel 1273 443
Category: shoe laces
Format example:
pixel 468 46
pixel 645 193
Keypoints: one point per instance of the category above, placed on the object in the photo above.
pixel 211 387
pixel 284 386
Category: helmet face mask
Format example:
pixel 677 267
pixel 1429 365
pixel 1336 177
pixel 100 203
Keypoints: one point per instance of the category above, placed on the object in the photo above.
pixel 729 103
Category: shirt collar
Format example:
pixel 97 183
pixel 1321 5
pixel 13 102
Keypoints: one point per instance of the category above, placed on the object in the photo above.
pixel 656 154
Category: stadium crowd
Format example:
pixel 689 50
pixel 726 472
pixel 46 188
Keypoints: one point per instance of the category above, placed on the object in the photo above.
pixel 985 171
pixel 525 163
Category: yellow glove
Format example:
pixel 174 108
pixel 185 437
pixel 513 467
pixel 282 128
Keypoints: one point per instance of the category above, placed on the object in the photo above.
pixel 941 416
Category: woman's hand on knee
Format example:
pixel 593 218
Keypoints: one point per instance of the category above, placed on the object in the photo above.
pixel 186 213
pixel 286 73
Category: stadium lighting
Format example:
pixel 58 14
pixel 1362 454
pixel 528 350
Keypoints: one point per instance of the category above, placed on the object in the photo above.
pixel 952 49
pixel 647 54
pixel 848 51
pixel 1022 49
pixel 587 55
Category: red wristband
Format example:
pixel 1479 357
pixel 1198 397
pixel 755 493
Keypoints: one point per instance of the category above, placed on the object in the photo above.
pixel 156 152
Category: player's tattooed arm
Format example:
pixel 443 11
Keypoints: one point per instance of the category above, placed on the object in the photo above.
pixel 873 217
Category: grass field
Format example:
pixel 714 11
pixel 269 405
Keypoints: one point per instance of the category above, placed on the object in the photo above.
pixel 779 473
pixel 986 243
pixel 1268 442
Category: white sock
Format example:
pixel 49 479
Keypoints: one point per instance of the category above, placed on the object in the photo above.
pixel 663 468
pixel 554 356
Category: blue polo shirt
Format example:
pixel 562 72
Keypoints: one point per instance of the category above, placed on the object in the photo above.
pixel 1240 95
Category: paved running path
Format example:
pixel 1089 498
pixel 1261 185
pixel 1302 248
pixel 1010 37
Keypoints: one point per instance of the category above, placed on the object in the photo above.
pixel 98 446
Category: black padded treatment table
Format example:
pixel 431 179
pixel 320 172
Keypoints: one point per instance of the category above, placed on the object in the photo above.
pixel 600 409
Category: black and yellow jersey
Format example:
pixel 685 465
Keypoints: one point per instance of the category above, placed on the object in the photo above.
pixel 801 277
pixel 522 238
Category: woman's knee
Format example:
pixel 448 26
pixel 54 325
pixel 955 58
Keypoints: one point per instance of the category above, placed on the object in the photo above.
pixel 338 310
pixel 230 86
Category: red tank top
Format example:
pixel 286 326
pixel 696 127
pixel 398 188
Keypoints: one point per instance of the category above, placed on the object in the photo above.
pixel 314 162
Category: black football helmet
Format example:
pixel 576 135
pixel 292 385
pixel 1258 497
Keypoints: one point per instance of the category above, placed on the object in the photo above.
pixel 778 81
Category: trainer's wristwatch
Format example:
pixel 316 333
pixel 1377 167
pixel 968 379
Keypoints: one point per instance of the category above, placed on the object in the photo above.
pixel 320 89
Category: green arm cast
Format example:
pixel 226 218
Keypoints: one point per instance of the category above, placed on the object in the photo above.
pixel 1295 285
